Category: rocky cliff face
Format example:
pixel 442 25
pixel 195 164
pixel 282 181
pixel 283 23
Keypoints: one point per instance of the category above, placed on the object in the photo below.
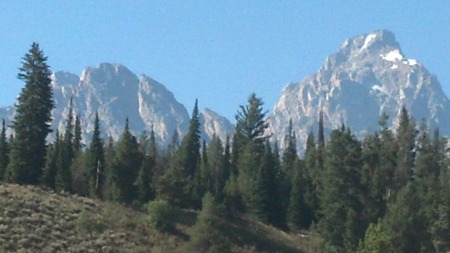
pixel 116 93
pixel 368 75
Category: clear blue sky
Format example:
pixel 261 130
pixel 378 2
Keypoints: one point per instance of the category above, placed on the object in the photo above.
pixel 216 51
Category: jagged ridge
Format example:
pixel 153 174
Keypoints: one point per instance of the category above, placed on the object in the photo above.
pixel 367 76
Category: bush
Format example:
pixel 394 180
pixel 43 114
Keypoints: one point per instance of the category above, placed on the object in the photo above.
pixel 160 215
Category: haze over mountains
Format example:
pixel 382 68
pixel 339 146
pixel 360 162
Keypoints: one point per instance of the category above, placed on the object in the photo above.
pixel 367 76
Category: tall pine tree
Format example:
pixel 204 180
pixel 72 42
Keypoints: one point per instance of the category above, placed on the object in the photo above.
pixel 125 168
pixel 95 162
pixel 32 119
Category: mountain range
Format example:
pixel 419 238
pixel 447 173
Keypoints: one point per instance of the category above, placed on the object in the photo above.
pixel 368 75
pixel 115 93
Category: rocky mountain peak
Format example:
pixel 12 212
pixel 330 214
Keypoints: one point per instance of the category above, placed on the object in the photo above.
pixel 116 93
pixel 367 76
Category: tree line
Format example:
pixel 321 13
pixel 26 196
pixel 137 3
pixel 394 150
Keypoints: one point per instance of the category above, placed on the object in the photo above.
pixel 386 192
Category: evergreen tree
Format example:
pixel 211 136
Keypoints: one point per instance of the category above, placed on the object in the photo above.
pixel 249 143
pixel 311 178
pixel 95 162
pixel 270 205
pixel 63 180
pixel 406 139
pixel 109 153
pixel 218 162
pixel 32 119
pixel 300 213
pixel 77 136
pixel 286 174
pixel 177 185
pixel 207 235
pixel 53 161
pixel 251 124
pixel 126 164
pixel 341 210
pixel 406 224
pixel 4 151
pixel 376 240
pixel 144 176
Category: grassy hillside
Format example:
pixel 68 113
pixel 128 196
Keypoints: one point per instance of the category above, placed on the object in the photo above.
pixel 36 220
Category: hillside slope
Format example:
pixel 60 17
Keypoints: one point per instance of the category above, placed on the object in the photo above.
pixel 37 220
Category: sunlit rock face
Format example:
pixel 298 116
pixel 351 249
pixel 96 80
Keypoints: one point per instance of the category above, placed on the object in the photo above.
pixel 367 76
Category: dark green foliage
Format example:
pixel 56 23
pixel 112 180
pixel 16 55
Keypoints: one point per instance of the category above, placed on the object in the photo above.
pixel 77 136
pixel 286 174
pixel 341 210
pixel 376 240
pixel 144 177
pixel 216 174
pixel 249 143
pixel 251 125
pixel 160 215
pixel 406 223
pixel 125 168
pixel 406 138
pixel 311 180
pixel 53 161
pixel 109 153
pixel 178 184
pixel 300 213
pixel 94 170
pixel 32 119
pixel 270 205
pixel 208 233
pixel 4 151
pixel 63 180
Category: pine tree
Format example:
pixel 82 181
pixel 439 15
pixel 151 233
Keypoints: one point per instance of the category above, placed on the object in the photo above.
pixel 216 164
pixel 248 145
pixel 109 153
pixel 177 185
pixel 406 139
pixel 32 119
pixel 406 224
pixel 287 172
pixel 77 136
pixel 126 164
pixel 63 180
pixel 341 210
pixel 95 162
pixel 312 178
pixel 144 176
pixel 52 162
pixel 251 124
pixel 268 190
pixel 4 151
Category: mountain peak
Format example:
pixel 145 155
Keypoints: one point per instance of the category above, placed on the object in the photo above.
pixel 368 75
pixel 376 42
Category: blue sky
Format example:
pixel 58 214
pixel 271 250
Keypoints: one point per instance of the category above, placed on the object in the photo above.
pixel 216 51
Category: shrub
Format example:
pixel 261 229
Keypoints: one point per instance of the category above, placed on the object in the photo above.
pixel 160 215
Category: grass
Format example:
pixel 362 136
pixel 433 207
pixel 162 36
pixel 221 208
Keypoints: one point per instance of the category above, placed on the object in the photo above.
pixel 37 220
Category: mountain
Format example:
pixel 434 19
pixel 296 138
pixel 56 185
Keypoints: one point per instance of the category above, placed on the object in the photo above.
pixel 115 93
pixel 367 76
